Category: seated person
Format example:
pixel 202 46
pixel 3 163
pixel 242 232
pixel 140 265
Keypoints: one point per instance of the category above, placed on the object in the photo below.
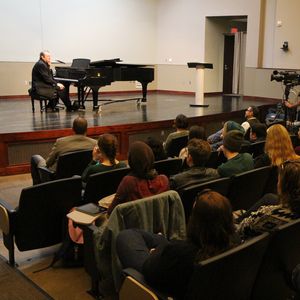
pixel 197 132
pixel 258 132
pixel 181 124
pixel 278 148
pixel 168 265
pixel 143 180
pixel 157 147
pixel 252 117
pixel 75 142
pixel 236 162
pixel 285 208
pixel 198 154
pixel 104 157
pixel 227 127
pixel 43 83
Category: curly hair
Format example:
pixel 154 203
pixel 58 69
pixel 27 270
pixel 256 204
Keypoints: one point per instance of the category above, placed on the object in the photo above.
pixel 279 146
pixel 108 144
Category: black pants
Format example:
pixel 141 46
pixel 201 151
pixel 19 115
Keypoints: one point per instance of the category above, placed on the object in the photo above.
pixel 133 247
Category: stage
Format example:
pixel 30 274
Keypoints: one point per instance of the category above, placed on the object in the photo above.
pixel 23 133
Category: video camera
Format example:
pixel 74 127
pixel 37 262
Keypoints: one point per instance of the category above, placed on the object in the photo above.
pixel 287 77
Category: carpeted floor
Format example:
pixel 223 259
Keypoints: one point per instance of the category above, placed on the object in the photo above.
pixel 60 283
pixel 14 285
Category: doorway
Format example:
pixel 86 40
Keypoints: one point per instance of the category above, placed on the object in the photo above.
pixel 225 47
pixel 228 64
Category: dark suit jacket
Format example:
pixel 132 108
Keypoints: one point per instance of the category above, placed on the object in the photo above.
pixel 42 76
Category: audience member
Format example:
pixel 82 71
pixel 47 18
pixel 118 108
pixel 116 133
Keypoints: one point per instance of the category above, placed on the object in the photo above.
pixel 258 132
pixel 195 132
pixel 181 124
pixel 43 83
pixel 286 205
pixel 278 148
pixel 252 117
pixel 77 141
pixel 143 181
pixel 168 265
pixel 198 154
pixel 104 157
pixel 227 127
pixel 236 162
pixel 157 147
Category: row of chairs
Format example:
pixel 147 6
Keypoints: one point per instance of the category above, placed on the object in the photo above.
pixel 37 221
pixel 75 162
pixel 259 269
pixel 243 190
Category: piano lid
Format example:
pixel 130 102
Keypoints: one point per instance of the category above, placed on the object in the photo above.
pixel 106 62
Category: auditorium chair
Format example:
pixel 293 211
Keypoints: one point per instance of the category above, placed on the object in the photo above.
pixel 216 158
pixel 102 184
pixel 176 145
pixel 274 280
pixel 248 187
pixel 169 166
pixel 159 213
pixel 68 165
pixel 229 275
pixel 38 219
pixel 188 194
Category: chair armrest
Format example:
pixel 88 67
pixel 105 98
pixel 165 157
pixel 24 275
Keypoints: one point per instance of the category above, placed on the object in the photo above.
pixel 7 217
pixel 140 278
pixel 8 206
pixel 46 174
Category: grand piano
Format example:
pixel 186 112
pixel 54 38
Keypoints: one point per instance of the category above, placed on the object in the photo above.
pixel 90 76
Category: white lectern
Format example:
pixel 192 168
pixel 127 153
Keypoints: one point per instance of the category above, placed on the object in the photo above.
pixel 199 99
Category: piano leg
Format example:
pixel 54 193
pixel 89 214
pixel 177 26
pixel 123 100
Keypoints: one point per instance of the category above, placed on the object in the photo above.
pixel 95 97
pixel 144 89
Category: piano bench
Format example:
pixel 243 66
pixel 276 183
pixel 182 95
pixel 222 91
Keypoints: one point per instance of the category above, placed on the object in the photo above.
pixel 43 102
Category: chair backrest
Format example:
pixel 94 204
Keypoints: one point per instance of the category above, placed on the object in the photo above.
pixel 230 275
pixel 248 187
pixel 176 145
pixel 103 184
pixel 282 255
pixel 188 194
pixel 216 158
pixel 168 167
pixel 257 148
pixel 72 163
pixel 41 211
pixel 81 63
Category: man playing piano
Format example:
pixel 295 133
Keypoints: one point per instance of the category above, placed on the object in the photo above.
pixel 43 83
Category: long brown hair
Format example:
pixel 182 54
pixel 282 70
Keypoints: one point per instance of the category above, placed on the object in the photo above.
pixel 289 185
pixel 279 146
pixel 211 225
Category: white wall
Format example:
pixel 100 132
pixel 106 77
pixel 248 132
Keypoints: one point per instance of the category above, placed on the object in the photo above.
pixel 181 28
pixel 95 29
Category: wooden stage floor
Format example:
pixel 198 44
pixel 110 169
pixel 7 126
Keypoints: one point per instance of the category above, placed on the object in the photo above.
pixel 16 115
pixel 23 133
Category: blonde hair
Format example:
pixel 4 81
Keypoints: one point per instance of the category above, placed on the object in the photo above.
pixel 279 145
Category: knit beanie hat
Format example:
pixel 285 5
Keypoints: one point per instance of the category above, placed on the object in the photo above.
pixel 231 125
pixel 233 140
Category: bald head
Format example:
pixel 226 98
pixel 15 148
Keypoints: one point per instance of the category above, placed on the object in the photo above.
pixel 80 125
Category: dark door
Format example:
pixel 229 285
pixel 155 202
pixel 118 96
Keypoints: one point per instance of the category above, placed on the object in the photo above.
pixel 228 63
